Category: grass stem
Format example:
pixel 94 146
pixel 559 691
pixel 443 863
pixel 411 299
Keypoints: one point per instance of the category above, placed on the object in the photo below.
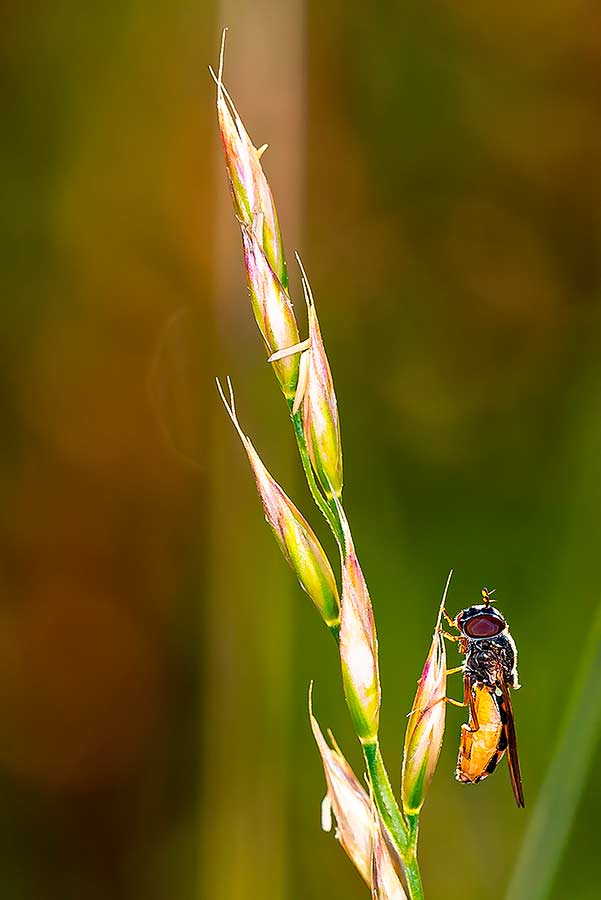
pixel 393 818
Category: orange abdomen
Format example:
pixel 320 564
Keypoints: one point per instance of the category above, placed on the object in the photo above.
pixel 481 750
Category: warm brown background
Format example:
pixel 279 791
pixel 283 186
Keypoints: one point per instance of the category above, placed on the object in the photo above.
pixel 438 166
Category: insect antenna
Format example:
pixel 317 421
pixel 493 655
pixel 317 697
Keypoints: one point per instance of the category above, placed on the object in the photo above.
pixel 486 595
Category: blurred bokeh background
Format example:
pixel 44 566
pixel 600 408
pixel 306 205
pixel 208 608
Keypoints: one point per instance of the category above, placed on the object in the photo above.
pixel 438 166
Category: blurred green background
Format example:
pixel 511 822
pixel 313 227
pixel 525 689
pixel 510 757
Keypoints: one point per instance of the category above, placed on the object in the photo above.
pixel 438 166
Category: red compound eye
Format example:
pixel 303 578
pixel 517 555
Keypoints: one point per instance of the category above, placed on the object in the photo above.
pixel 484 626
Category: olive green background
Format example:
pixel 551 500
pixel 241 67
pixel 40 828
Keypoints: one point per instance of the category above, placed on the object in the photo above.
pixel 155 652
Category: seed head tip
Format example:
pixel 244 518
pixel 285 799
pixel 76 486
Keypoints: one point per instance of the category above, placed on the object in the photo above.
pixel 221 57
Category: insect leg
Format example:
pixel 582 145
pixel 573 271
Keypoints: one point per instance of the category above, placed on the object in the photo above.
pixel 470 701
pixel 456 669
pixel 450 621
pixel 466 689
pixel 460 703
pixel 450 637
pixel 424 709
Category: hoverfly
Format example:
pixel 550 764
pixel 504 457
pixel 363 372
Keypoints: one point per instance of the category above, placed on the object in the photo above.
pixel 489 671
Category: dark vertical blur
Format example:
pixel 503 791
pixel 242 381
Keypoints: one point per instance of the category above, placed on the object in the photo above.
pixel 154 650
pixel 106 243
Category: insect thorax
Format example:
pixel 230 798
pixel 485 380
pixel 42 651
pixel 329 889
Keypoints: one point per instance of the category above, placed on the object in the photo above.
pixel 488 660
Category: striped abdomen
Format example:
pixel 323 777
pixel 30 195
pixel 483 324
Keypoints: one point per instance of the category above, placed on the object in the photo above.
pixel 481 750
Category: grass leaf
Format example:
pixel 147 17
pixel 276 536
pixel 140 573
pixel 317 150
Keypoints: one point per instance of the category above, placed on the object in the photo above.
pixel 560 794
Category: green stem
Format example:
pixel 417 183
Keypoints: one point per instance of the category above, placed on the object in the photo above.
pixel 329 513
pixel 384 796
pixel 388 807
pixel 413 823
pixel 412 874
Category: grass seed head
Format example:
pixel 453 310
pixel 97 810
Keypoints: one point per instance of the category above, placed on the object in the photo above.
pixel 272 310
pixel 292 532
pixel 250 190
pixel 349 802
pixel 359 828
pixel 321 422
pixel 358 644
pixel 425 728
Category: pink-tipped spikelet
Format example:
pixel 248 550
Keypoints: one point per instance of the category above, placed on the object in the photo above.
pixel 359 828
pixel 358 644
pixel 273 311
pixel 425 728
pixel 250 191
pixel 292 532
pixel 321 422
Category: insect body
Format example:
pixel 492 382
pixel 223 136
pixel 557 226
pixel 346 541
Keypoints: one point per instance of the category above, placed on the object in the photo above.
pixel 489 672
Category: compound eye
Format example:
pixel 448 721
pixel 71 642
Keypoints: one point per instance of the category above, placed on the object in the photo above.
pixel 484 626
